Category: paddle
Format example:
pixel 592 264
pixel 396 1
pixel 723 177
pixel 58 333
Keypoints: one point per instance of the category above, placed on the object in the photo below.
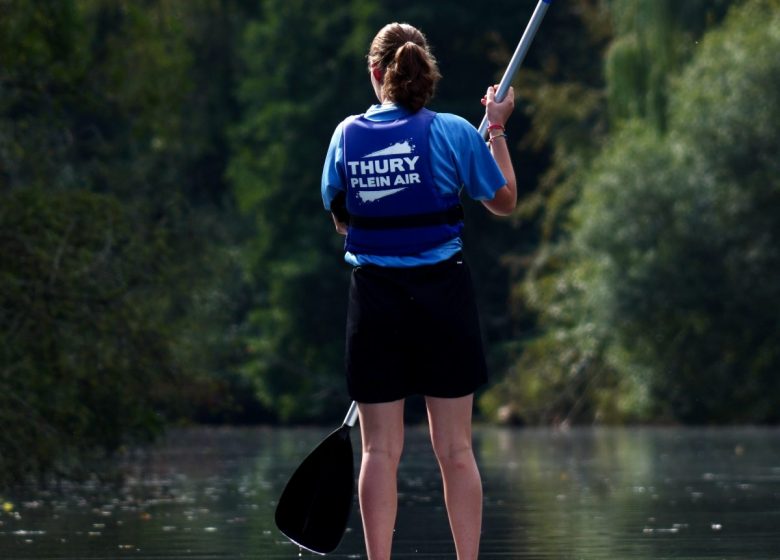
pixel 314 507
pixel 518 56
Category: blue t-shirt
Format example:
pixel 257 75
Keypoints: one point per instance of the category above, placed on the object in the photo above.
pixel 460 160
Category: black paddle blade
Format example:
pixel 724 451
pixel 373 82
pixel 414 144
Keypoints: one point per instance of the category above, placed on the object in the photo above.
pixel 314 507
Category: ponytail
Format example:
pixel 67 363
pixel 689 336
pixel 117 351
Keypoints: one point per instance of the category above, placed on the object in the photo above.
pixel 410 70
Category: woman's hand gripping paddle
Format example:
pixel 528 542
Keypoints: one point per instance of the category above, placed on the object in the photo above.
pixel 314 507
pixel 518 56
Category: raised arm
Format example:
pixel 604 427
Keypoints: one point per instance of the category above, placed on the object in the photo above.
pixel 505 200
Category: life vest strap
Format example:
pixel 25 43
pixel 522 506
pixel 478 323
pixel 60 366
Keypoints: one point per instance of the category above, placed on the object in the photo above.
pixel 451 216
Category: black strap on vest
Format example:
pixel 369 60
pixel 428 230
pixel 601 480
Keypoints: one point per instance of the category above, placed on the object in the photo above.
pixel 451 216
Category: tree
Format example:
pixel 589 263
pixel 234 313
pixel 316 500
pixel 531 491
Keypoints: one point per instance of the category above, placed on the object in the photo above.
pixel 653 38
pixel 84 344
pixel 300 61
pixel 562 372
pixel 681 230
pixel 120 269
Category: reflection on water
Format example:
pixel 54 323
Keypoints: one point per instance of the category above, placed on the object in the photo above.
pixel 586 493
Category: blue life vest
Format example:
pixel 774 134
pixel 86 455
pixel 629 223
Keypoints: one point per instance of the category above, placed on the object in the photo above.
pixel 394 206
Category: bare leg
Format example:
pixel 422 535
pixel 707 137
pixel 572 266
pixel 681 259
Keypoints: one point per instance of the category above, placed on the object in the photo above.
pixel 450 423
pixel 382 433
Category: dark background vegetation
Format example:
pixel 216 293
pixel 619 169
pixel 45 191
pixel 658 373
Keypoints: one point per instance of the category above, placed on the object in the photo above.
pixel 165 258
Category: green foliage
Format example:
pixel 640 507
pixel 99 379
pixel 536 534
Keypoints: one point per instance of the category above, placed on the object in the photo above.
pixel 727 101
pixel 111 173
pixel 84 344
pixel 296 326
pixel 556 373
pixel 652 39
pixel 568 369
pixel 681 230
pixel 88 88
pixel 561 375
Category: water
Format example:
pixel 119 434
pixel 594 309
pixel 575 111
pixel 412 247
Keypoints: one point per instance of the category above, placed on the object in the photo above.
pixel 583 494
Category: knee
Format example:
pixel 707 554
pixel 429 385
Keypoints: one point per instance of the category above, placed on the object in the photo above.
pixel 454 455
pixel 388 454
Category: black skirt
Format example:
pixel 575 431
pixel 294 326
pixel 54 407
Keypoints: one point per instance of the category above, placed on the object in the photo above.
pixel 413 331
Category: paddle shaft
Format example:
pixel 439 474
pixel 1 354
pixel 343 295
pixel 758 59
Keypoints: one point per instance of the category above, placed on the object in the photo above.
pixel 352 415
pixel 518 56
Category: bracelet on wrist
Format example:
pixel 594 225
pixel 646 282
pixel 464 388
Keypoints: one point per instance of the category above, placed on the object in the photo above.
pixel 496 126
pixel 491 138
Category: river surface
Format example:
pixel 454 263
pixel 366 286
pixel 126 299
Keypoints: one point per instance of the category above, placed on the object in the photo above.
pixel 598 493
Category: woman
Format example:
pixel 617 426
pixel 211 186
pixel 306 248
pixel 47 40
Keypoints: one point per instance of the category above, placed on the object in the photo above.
pixel 392 180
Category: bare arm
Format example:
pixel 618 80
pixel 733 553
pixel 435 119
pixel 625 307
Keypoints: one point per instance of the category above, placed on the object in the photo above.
pixel 339 213
pixel 341 227
pixel 505 200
